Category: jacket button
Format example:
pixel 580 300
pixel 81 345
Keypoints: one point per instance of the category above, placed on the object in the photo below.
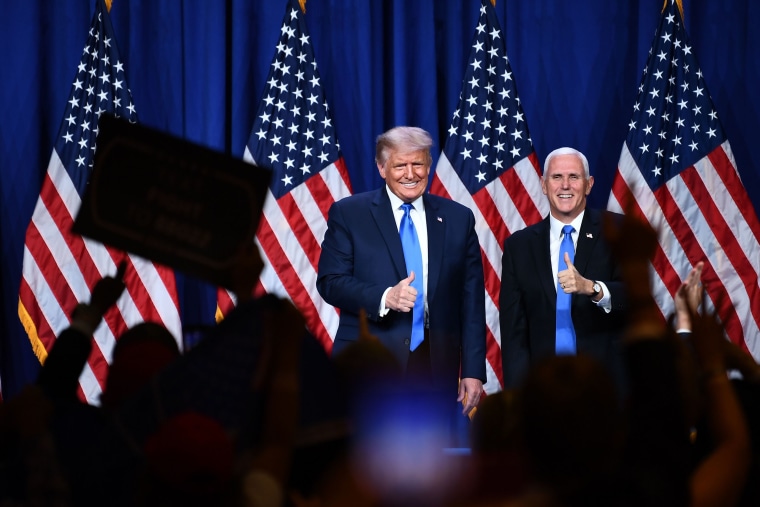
pixel 407 341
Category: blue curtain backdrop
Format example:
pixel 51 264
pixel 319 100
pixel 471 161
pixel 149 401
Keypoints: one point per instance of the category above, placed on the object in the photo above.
pixel 197 69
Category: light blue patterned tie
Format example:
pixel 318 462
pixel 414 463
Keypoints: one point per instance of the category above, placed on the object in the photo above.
pixel 565 334
pixel 413 257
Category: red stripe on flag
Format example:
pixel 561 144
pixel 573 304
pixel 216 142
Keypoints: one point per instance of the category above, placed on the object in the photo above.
pixel 59 285
pixel 660 261
pixel 524 204
pixel 224 302
pixel 49 269
pixel 490 213
pixel 320 194
pixel 292 282
pixel 437 188
pixel 737 256
pixel 65 300
pixel 300 228
pixel 42 328
pixel 735 188
pixel 75 243
pixel 493 354
pixel 134 285
pixel 343 171
pixel 662 265
pixel 491 278
pixel 723 234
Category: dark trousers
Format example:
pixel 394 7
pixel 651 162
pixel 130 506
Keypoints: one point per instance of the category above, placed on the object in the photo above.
pixel 418 370
pixel 449 419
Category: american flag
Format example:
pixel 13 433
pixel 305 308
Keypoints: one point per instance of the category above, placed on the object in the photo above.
pixel 488 163
pixel 293 134
pixel 60 268
pixel 677 164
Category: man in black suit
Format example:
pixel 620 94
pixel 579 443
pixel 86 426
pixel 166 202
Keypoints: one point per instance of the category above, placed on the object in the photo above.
pixel 533 272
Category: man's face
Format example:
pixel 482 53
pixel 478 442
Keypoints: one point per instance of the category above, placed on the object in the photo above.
pixel 566 186
pixel 406 174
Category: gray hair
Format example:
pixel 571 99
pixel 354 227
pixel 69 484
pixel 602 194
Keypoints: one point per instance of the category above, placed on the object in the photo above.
pixel 404 140
pixel 568 151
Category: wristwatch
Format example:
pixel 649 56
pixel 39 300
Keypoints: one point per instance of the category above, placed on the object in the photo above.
pixel 596 288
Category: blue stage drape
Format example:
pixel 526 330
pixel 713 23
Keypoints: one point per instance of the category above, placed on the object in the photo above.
pixel 197 70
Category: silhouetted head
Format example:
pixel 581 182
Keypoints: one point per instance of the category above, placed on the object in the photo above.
pixel 140 353
pixel 571 423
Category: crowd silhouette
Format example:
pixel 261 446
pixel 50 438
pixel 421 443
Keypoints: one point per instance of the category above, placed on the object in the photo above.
pixel 258 414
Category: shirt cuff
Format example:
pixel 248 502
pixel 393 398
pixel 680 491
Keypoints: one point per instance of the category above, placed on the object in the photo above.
pixel 606 302
pixel 384 309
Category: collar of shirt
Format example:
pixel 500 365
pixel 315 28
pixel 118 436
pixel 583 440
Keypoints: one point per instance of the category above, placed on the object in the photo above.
pixel 555 228
pixel 420 225
pixel 419 210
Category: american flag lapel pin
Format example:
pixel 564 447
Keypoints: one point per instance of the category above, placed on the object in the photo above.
pixel 589 235
pixel 439 219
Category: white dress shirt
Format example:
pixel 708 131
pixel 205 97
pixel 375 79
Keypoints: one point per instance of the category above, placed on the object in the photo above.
pixel 555 239
pixel 420 225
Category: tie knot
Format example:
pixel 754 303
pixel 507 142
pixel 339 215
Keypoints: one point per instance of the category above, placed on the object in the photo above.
pixel 407 207
pixel 567 230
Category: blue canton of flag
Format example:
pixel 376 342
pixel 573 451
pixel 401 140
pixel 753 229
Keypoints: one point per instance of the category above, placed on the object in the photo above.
pixel 488 164
pixel 488 133
pixel 293 132
pixel 674 123
pixel 99 87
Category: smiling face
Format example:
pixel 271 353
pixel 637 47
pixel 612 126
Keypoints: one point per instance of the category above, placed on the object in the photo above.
pixel 406 174
pixel 565 184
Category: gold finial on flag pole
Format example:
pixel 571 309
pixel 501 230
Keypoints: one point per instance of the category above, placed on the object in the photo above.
pixel 679 3
pixel 302 3
pixel 493 2
pixel 108 5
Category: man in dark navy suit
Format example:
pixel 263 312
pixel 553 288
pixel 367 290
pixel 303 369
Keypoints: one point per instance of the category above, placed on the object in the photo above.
pixel 534 272
pixel 363 266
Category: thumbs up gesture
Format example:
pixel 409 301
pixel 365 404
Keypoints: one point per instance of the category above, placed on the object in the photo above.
pixel 402 296
pixel 572 282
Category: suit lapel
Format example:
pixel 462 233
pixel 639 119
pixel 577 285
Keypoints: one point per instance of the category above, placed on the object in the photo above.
pixel 436 234
pixel 539 247
pixel 386 224
pixel 590 233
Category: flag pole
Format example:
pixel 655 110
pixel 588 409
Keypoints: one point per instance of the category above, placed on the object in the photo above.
pixel 109 2
pixel 302 3
pixel 679 3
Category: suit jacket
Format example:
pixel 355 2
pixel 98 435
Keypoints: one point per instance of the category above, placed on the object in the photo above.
pixel 528 299
pixel 362 256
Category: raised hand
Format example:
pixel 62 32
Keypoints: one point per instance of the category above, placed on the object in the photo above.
pixel 107 290
pixel 402 296
pixel 688 297
pixel 571 281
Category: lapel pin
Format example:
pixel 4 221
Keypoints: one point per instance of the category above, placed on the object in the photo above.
pixel 589 235
pixel 440 219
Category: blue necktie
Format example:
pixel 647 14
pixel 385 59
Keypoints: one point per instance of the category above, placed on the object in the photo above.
pixel 413 258
pixel 565 335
